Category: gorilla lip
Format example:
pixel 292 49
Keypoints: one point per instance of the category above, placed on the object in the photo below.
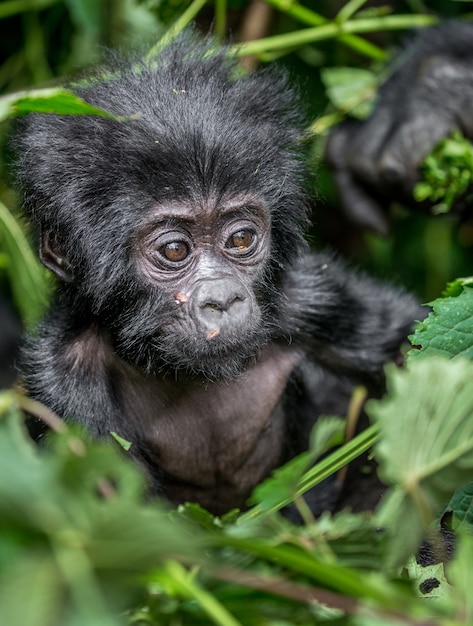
pixel 213 332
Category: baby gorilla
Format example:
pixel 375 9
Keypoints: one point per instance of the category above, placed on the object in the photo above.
pixel 190 317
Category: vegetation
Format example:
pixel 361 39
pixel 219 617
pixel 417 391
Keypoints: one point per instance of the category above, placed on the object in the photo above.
pixel 80 543
pixel 77 532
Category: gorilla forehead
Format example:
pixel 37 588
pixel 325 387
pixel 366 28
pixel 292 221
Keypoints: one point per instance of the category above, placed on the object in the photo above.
pixel 194 130
pixel 194 118
pixel 187 149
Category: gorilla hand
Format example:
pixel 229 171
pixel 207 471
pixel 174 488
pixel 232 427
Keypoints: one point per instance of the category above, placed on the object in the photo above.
pixel 428 95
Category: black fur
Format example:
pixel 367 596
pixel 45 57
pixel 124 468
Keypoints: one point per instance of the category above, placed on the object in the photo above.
pixel 123 347
pixel 428 95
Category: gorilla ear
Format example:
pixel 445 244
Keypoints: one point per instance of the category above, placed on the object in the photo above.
pixel 53 257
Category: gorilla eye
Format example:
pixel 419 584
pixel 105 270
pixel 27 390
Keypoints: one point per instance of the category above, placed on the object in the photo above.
pixel 241 240
pixel 175 251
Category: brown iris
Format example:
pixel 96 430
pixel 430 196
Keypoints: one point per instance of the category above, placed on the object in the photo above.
pixel 175 251
pixel 241 240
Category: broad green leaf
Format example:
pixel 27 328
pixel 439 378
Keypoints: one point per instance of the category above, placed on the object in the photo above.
pixel 430 580
pixel 460 574
pixel 80 506
pixel 462 506
pixel 426 445
pixel 351 90
pixel 41 604
pixel 27 277
pixel 448 330
pixel 195 513
pixel 54 100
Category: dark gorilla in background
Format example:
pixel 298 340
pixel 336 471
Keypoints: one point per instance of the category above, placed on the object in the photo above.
pixel 429 94
pixel 190 317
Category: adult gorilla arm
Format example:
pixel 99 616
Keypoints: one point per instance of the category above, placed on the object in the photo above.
pixel 429 94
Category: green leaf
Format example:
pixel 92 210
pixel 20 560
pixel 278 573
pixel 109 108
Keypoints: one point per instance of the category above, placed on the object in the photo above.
pixel 430 580
pixel 74 516
pixel 42 604
pixel 462 506
pixel 351 90
pixel 426 445
pixel 448 330
pixel 460 574
pixel 282 485
pixel 55 100
pixel 455 287
pixel 331 575
pixel 447 173
pixel 195 513
pixel 126 445
pixel 26 276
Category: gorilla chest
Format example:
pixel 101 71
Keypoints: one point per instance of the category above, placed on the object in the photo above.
pixel 212 443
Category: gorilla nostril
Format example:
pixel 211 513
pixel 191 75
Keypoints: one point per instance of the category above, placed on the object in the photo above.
pixel 221 306
pixel 213 307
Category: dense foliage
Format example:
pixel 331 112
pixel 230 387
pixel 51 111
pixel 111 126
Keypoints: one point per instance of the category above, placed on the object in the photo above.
pixel 77 532
pixel 80 543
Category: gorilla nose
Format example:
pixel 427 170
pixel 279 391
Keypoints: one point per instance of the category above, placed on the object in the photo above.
pixel 218 299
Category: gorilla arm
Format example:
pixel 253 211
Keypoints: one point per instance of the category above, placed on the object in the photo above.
pixel 428 95
pixel 344 319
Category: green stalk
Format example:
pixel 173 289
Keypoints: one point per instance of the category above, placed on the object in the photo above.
pixel 77 571
pixel 338 459
pixel 27 278
pixel 311 18
pixel 220 18
pixel 15 7
pixel 298 12
pixel 339 578
pixel 349 9
pixel 323 469
pixel 179 25
pixel 333 30
pixel 190 589
pixel 365 47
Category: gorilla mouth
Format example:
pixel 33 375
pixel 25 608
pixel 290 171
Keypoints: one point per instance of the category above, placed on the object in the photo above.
pixel 211 357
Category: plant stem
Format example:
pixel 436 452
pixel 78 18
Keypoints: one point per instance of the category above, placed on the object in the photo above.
pixel 333 30
pixel 220 18
pixel 33 407
pixel 177 27
pixel 209 603
pixel 87 602
pixel 349 9
pixel 14 7
pixel 311 18
pixel 323 469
